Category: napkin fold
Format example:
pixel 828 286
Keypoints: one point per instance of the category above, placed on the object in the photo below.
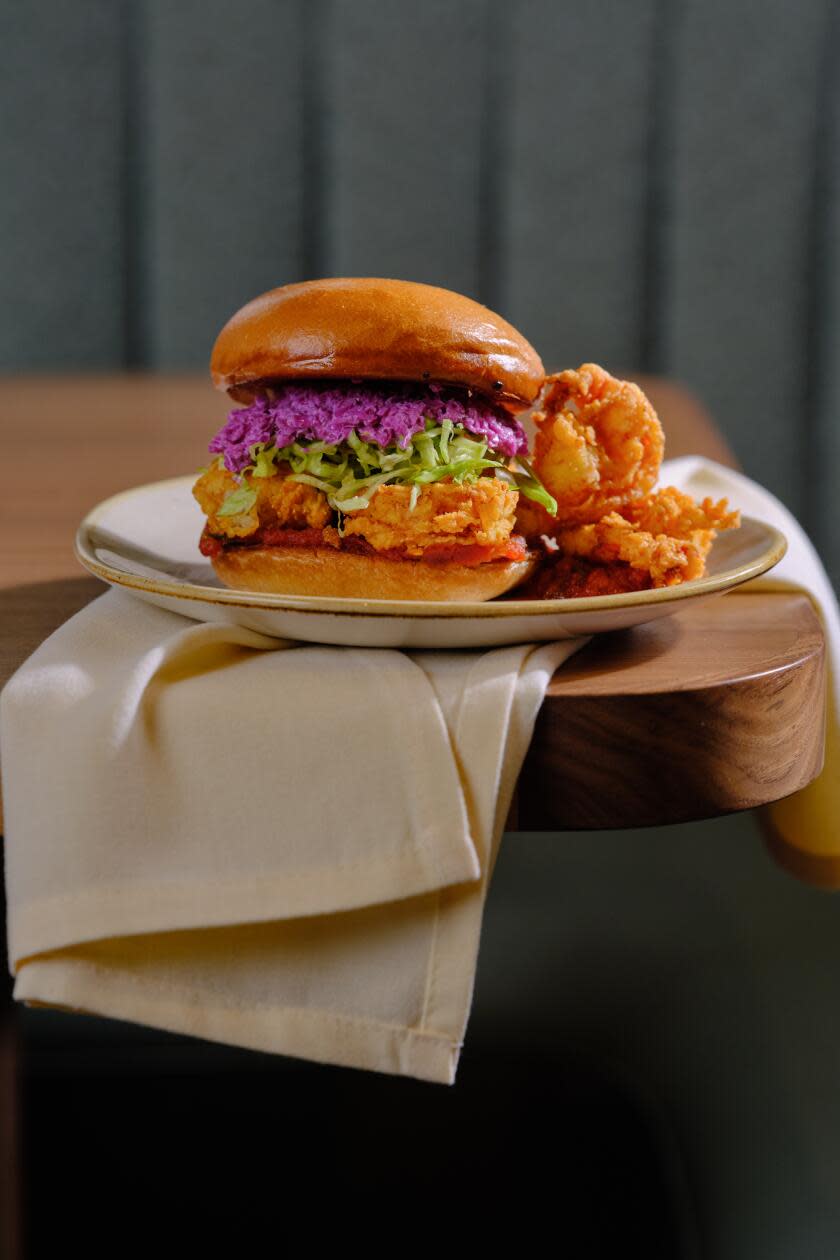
pixel 802 830
pixel 285 847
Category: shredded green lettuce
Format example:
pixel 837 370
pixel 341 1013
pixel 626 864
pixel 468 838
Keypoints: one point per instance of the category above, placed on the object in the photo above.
pixel 240 500
pixel 529 484
pixel 350 473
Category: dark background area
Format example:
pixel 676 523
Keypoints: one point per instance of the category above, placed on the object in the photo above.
pixel 650 1070
pixel 651 1065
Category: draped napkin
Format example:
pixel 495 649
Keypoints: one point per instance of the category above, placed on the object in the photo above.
pixel 280 846
pixel 803 829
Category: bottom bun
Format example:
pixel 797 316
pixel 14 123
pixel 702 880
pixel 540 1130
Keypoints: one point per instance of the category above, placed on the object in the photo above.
pixel 328 572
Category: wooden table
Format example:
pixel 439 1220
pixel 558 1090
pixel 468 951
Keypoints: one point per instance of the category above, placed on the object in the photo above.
pixel 716 709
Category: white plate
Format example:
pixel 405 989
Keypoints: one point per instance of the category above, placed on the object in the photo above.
pixel 147 541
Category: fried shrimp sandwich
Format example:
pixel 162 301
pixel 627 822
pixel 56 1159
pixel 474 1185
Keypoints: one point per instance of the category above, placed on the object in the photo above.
pixel 378 452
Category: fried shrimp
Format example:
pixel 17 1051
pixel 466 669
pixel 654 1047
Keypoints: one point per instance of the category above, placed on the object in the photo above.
pixel 671 511
pixel 598 449
pixel 570 577
pixel 667 535
pixel 666 560
pixel 599 444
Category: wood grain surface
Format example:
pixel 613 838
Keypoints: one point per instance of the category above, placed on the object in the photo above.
pixel 716 709
pixel 660 724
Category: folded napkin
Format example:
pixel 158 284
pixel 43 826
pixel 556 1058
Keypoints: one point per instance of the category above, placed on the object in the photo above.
pixel 803 829
pixel 281 846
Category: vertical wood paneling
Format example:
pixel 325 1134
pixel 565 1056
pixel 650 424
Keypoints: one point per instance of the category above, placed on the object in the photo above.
pixel 743 131
pixel 164 162
pixel 224 163
pixel 404 102
pixel 573 176
pixel 60 200
pixel 823 439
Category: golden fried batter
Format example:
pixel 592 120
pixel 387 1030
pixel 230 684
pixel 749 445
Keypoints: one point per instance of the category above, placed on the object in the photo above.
pixel 445 514
pixel 598 449
pixel 570 577
pixel 666 534
pixel 599 443
pixel 670 511
pixel 667 560
pixel 280 503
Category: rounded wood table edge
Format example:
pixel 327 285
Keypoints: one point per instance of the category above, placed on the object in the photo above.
pixel 676 736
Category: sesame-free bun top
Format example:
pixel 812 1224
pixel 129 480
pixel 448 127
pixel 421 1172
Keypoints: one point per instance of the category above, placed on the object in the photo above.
pixel 378 330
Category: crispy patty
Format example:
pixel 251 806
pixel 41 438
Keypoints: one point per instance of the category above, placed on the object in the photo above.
pixel 445 513
pixel 280 503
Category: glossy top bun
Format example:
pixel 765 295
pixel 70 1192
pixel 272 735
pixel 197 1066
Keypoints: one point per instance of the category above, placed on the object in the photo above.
pixel 374 329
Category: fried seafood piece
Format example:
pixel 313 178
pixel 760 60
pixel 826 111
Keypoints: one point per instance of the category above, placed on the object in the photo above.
pixel 599 444
pixel 280 503
pixel 666 535
pixel 671 511
pixel 570 577
pixel 665 560
pixel 445 514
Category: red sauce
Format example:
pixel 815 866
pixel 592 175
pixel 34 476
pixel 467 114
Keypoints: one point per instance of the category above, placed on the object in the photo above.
pixel 275 537
pixel 470 555
pixel 209 545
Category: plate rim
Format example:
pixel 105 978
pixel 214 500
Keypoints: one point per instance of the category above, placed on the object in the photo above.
pixel 347 606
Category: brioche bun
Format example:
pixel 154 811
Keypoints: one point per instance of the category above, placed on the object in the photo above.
pixel 328 572
pixel 378 330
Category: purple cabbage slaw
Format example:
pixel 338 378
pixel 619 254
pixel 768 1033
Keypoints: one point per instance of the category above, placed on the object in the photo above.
pixel 386 414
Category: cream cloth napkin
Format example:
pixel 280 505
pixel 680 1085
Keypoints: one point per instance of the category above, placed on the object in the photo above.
pixel 805 827
pixel 280 846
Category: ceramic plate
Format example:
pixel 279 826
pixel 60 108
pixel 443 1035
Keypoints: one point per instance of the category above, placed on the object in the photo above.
pixel 146 540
